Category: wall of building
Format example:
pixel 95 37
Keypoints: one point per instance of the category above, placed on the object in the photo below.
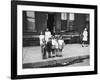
pixel 41 21
pixel 58 22
pixel 80 22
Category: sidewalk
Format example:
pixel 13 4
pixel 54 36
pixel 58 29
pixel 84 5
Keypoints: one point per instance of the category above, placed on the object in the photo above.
pixel 33 54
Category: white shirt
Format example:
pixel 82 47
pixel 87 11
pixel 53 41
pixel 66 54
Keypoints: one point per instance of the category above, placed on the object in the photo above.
pixel 47 35
pixel 60 42
pixel 55 43
pixel 41 39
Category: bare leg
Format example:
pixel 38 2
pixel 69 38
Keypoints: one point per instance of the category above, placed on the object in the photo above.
pixel 82 43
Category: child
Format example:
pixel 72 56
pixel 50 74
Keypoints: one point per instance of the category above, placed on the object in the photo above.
pixel 44 50
pixel 47 35
pixel 53 46
pixel 85 37
pixel 41 37
pixel 49 47
pixel 56 47
pixel 61 45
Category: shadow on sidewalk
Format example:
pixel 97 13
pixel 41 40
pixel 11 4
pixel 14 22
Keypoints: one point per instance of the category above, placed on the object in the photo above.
pixel 57 62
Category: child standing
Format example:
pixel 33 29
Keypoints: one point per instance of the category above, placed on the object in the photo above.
pixel 47 35
pixel 53 46
pixel 44 50
pixel 85 37
pixel 49 47
pixel 41 37
pixel 57 47
pixel 61 45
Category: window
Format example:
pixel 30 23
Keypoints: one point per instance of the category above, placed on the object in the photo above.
pixel 63 16
pixel 64 21
pixel 31 21
pixel 67 21
pixel 71 16
pixel 87 17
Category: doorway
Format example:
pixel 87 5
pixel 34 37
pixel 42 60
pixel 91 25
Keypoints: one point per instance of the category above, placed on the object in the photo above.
pixel 50 22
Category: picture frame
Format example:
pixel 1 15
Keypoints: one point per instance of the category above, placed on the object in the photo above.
pixel 17 12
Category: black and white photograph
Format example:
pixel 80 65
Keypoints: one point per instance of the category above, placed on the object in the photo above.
pixel 53 39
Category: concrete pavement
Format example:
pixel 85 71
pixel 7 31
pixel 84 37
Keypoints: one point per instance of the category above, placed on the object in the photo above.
pixel 33 54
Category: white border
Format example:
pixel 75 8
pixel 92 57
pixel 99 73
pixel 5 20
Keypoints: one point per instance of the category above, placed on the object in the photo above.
pixel 21 71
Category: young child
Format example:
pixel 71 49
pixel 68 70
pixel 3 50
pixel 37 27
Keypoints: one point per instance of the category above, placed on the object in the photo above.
pixel 53 46
pixel 49 47
pixel 41 37
pixel 56 47
pixel 85 37
pixel 61 45
pixel 44 50
pixel 47 35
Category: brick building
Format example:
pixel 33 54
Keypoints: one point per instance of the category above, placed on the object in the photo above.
pixel 67 24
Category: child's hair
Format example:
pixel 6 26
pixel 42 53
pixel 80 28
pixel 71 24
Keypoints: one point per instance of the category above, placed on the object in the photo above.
pixel 53 37
pixel 85 28
pixel 50 38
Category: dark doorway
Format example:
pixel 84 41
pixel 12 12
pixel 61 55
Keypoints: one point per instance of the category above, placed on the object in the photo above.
pixel 50 22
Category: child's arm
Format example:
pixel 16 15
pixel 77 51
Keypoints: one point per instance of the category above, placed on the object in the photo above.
pixel 63 44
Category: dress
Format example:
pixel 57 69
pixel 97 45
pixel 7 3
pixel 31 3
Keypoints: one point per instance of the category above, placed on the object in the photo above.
pixel 41 37
pixel 60 42
pixel 85 36
pixel 53 43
